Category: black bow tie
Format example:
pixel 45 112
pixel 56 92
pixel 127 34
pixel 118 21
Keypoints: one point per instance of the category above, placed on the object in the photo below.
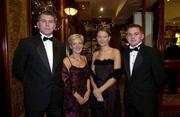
pixel 133 49
pixel 46 38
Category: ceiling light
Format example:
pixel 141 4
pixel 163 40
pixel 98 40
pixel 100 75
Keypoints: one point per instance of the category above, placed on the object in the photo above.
pixel 83 7
pixel 101 9
pixel 70 11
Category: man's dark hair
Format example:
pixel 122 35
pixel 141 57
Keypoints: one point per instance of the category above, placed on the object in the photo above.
pixel 135 26
pixel 48 13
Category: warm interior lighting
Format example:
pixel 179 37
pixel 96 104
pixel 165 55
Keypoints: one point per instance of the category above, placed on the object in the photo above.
pixel 101 9
pixel 70 11
pixel 177 35
pixel 178 41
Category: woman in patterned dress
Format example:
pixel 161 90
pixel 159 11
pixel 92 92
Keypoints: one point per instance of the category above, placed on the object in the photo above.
pixel 75 75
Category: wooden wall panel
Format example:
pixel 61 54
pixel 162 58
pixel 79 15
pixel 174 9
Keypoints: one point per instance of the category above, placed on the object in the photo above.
pixel 17 28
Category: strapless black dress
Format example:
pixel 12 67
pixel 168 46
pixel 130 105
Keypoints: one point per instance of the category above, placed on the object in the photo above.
pixel 111 104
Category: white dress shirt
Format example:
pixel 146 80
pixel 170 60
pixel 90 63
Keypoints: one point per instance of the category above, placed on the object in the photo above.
pixel 132 57
pixel 49 49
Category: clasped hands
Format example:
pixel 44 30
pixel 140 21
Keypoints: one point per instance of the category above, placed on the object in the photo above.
pixel 82 100
pixel 98 94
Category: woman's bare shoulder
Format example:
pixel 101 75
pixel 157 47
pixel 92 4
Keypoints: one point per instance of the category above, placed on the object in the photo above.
pixel 66 62
pixel 96 53
pixel 115 50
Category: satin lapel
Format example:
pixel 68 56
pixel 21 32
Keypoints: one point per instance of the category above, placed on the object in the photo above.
pixel 126 64
pixel 138 61
pixel 56 55
pixel 42 53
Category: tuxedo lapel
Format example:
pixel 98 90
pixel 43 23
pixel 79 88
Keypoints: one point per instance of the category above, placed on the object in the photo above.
pixel 42 52
pixel 126 64
pixel 138 61
pixel 56 55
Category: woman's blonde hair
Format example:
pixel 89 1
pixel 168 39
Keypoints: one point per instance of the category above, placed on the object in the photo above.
pixel 70 40
pixel 74 37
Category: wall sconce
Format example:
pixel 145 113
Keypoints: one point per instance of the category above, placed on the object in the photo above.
pixel 70 11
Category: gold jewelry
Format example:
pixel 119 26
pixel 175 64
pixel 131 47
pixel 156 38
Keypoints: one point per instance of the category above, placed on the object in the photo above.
pixel 76 59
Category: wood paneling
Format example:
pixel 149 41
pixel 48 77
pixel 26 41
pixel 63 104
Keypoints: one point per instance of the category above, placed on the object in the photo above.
pixel 17 28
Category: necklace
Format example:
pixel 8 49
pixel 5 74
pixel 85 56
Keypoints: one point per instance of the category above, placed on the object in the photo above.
pixel 76 59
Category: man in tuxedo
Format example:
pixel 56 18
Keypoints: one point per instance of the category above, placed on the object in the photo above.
pixel 37 63
pixel 144 75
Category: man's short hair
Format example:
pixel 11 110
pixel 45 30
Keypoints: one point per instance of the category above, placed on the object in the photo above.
pixel 135 26
pixel 48 12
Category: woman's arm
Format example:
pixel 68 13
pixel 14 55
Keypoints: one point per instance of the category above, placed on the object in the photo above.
pixel 92 73
pixel 88 91
pixel 79 98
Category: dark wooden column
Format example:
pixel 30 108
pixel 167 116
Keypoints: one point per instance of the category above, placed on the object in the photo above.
pixel 143 15
pixel 5 106
pixel 161 40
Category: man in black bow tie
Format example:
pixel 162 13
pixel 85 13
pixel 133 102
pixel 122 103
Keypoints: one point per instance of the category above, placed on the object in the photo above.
pixel 37 63
pixel 145 75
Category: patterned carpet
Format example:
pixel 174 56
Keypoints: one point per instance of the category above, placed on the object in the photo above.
pixel 171 99
pixel 171 103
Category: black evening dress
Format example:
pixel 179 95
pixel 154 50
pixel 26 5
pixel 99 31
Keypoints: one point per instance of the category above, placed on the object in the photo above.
pixel 111 105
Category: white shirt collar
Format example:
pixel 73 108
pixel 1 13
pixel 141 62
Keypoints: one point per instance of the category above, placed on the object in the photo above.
pixel 136 45
pixel 42 35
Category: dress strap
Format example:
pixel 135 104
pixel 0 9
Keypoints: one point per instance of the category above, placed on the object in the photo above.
pixel 69 61
pixel 84 57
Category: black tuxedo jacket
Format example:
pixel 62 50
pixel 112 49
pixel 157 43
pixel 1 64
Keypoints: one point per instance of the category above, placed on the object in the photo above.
pixel 148 76
pixel 30 64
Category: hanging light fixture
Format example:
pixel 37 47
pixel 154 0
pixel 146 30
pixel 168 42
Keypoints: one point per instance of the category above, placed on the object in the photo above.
pixel 70 11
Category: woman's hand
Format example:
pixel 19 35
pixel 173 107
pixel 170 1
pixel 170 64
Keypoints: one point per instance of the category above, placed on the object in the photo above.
pixel 100 98
pixel 79 98
pixel 98 94
pixel 86 96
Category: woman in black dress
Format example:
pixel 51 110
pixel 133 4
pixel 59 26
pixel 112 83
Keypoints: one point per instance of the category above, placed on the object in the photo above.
pixel 106 64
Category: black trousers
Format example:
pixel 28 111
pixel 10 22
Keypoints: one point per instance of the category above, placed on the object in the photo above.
pixel 132 111
pixel 51 111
